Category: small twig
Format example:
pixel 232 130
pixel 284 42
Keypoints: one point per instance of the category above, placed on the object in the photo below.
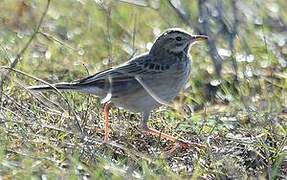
pixel 135 3
pixel 86 69
pixel 204 15
pixel 89 100
pixel 54 88
pixel 20 54
pixel 232 36
pixel 33 77
pixel 6 55
pixel 109 39
pixel 31 156
pixel 134 34
pixel 52 38
pixel 183 16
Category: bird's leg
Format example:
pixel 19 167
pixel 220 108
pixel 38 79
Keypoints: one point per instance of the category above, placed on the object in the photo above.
pixel 107 121
pixel 154 132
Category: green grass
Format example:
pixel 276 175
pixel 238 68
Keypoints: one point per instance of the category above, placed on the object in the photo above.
pixel 241 122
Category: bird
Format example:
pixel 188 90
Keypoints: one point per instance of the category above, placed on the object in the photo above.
pixel 144 82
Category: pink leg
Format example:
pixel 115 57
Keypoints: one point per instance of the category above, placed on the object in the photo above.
pixel 107 122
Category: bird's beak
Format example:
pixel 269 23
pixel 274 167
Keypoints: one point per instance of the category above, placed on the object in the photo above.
pixel 199 37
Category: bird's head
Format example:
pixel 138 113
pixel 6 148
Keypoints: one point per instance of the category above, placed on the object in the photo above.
pixel 175 40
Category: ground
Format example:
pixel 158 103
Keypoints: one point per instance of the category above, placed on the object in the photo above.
pixel 235 103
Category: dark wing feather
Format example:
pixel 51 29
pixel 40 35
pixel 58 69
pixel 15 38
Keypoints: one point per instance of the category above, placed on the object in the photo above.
pixel 121 73
pixel 122 78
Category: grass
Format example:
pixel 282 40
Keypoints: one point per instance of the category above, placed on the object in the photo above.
pixel 240 116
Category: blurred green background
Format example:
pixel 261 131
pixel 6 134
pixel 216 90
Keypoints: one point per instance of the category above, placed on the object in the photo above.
pixel 235 103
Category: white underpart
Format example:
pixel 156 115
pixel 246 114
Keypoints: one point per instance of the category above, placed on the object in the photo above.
pixel 151 93
pixel 109 94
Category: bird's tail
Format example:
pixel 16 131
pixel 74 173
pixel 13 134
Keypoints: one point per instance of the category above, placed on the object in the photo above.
pixel 59 86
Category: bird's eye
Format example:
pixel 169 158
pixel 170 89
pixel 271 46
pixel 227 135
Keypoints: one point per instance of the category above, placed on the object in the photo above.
pixel 178 38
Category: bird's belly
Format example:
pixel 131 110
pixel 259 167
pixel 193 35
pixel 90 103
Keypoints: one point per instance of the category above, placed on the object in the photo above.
pixel 141 102
pixel 165 89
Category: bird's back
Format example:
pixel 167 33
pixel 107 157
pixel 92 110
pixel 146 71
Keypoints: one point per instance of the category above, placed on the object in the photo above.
pixel 165 85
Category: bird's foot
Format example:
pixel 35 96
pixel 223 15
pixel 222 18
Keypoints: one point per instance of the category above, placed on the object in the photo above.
pixel 183 144
pixel 188 144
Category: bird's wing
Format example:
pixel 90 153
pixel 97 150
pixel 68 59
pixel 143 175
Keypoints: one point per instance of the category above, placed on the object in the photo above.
pixel 140 66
